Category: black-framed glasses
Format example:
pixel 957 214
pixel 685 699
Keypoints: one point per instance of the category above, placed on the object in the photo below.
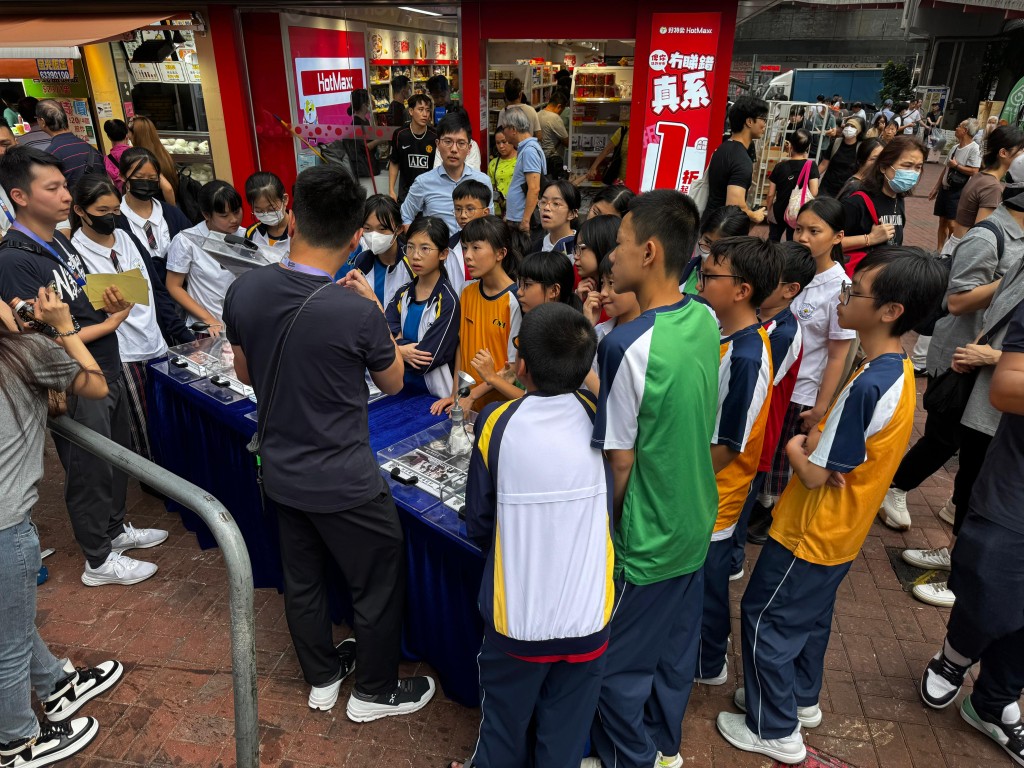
pixel 846 293
pixel 702 276
pixel 515 342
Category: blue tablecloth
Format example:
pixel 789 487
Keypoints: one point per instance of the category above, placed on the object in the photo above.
pixel 204 441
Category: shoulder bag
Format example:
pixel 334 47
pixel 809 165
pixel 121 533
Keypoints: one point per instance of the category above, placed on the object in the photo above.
pixel 801 194
pixel 275 367
pixel 853 257
pixel 948 393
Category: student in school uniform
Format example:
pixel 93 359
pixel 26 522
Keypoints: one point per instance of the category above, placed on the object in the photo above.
pixel 490 312
pixel 544 639
pixel 424 314
pixel 660 538
pixel 153 222
pixel 208 281
pixel 142 333
pixel 472 200
pixel 786 342
pixel 381 258
pixel 265 194
pixel 738 274
pixel 842 470
pixel 559 206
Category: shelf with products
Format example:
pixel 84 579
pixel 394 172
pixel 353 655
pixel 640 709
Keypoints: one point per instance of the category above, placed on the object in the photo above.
pixel 601 102
pixel 537 80
pixel 191 148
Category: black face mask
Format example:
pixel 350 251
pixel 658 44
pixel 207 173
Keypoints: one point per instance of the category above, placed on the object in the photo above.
pixel 144 189
pixel 103 225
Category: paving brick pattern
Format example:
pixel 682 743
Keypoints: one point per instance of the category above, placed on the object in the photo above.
pixel 174 707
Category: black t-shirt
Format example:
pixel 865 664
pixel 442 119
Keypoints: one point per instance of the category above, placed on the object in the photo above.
pixel 841 166
pixel 413 155
pixel 999 490
pixel 889 210
pixel 397 114
pixel 730 166
pixel 316 445
pixel 25 268
pixel 784 176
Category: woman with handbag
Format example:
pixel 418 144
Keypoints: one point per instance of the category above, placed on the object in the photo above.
pixel 986 273
pixel 963 162
pixel 783 182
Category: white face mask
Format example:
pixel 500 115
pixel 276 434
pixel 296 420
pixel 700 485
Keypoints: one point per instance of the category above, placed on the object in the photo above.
pixel 849 131
pixel 272 218
pixel 378 242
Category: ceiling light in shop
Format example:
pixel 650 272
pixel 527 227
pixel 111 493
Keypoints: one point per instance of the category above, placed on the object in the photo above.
pixel 418 10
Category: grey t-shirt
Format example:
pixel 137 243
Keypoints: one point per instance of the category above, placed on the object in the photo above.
pixel 554 136
pixel 979 414
pixel 23 424
pixel 975 263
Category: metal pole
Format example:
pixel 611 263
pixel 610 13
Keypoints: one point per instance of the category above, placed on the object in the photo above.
pixel 236 558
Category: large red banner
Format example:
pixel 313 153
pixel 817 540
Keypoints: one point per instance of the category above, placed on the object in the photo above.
pixel 679 78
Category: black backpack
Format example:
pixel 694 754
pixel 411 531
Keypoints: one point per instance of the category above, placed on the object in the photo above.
pixel 187 195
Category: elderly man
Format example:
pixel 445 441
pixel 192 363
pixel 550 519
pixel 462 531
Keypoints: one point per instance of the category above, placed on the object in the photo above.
pixel 521 200
pixel 431 193
pixel 77 156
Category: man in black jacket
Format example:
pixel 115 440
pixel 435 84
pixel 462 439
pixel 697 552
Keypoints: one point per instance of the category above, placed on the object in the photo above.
pixel 34 254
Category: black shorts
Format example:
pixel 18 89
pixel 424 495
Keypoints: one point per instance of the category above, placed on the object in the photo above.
pixel 946 202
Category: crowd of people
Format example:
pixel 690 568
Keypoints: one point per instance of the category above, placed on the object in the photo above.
pixel 619 354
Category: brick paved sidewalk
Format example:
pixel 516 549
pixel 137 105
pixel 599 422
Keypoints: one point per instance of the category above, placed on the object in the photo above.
pixel 174 706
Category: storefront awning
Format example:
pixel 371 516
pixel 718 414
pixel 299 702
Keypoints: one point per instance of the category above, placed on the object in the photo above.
pixel 68 31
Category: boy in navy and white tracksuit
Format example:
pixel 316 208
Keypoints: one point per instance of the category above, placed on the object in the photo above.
pixel 433 326
pixel 539 502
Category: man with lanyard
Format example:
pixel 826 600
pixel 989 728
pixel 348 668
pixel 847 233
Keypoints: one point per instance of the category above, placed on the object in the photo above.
pixel 431 193
pixel 304 344
pixel 33 254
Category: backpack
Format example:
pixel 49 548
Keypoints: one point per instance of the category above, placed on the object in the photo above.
pixel 187 195
pixel 927 326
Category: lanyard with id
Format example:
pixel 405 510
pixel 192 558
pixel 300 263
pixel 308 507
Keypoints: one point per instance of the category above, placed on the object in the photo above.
pixel 75 274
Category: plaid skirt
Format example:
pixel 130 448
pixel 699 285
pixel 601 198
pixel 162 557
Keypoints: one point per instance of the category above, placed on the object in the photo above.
pixel 778 476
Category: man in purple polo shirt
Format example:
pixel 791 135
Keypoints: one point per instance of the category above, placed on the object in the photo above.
pixel 77 156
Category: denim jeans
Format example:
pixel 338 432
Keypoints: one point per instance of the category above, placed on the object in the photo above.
pixel 25 661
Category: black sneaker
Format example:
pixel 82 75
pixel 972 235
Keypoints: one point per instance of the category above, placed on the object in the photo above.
pixel 409 695
pixel 80 686
pixel 760 523
pixel 941 682
pixel 1009 736
pixel 55 742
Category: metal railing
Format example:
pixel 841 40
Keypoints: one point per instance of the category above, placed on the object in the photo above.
pixel 236 558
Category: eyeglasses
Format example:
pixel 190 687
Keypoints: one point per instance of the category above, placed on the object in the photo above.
pixel 702 276
pixel 704 247
pixel 470 211
pixel 449 143
pixel 515 342
pixel 422 250
pixel 846 293
pixel 579 248
pixel 556 204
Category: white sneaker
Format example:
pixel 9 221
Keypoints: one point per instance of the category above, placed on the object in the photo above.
pixel 324 697
pixel 929 559
pixel 948 511
pixel 894 512
pixel 936 593
pixel 138 538
pixel 789 750
pixel 669 761
pixel 591 762
pixel 736 576
pixel 118 569
pixel 718 679
pixel 809 717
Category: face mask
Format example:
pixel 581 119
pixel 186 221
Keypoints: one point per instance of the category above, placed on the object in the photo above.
pixel 904 180
pixel 849 131
pixel 378 242
pixel 272 218
pixel 144 189
pixel 103 225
